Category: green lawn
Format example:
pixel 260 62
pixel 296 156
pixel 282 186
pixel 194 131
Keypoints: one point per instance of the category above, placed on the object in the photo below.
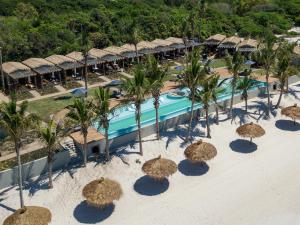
pixel 216 63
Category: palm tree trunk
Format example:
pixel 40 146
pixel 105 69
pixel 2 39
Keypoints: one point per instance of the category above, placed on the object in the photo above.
pixel 287 85
pixel 17 149
pixel 207 122
pixel 138 117
pixel 280 96
pixel 106 144
pixel 85 74
pixel 50 165
pixel 268 93
pixel 191 119
pixel 232 96
pixel 137 53
pixel 246 103
pixel 84 149
pixel 156 106
pixel 217 112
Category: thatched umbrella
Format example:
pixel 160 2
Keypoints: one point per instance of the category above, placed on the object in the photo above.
pixel 200 152
pixel 29 215
pixel 292 112
pixel 102 192
pixel 250 130
pixel 159 168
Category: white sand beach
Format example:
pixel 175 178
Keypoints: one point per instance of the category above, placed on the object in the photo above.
pixel 243 185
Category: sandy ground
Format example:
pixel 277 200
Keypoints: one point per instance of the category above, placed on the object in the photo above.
pixel 244 185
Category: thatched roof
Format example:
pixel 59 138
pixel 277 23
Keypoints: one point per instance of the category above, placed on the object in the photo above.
pixel 162 45
pixel 17 70
pixel 250 130
pixel 130 53
pixel 230 42
pixel 64 62
pixel 102 192
pixel 248 45
pixel 79 57
pixel 292 112
pixel 176 43
pixel 104 56
pixel 123 51
pixel 200 151
pixel 215 39
pixel 93 136
pixel 146 47
pixel 159 168
pixel 116 51
pixel 41 66
pixel 29 215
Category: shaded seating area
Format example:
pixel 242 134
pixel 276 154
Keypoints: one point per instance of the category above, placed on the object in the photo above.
pixel 147 47
pixel 79 57
pixel 17 74
pixel 230 44
pixel 213 42
pixel 177 44
pixel 44 70
pixel 248 46
pixel 164 48
pixel 130 53
pixel 120 54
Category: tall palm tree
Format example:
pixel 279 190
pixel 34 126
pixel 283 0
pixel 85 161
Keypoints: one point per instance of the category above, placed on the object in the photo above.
pixel 245 84
pixel 234 65
pixel 135 38
pixel 82 114
pixel 266 57
pixel 15 121
pixel 217 90
pixel 205 96
pixel 156 77
pixel 136 89
pixel 50 135
pixel 85 51
pixel 102 111
pixel 194 74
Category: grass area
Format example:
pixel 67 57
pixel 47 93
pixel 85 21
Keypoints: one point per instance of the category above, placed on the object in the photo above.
pixel 48 89
pixel 71 85
pixel 217 63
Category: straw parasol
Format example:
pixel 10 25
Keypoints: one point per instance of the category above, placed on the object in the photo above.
pixel 159 168
pixel 200 152
pixel 250 130
pixel 29 215
pixel 292 112
pixel 102 192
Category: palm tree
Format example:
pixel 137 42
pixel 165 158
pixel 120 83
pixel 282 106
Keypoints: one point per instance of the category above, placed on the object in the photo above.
pixel 244 84
pixel 15 121
pixel 50 135
pixel 102 111
pixel 136 89
pixel 205 96
pixel 194 74
pixel 135 38
pixel 234 65
pixel 156 77
pixel 266 57
pixel 217 90
pixel 82 114
pixel 85 48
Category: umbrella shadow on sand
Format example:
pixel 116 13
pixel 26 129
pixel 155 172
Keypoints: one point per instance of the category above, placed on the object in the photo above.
pixel 87 214
pixel 188 168
pixel 150 187
pixel 287 125
pixel 243 146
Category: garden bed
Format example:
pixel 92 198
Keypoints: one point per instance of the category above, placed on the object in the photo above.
pixel 23 93
pixel 71 85
pixel 48 89
pixel 94 78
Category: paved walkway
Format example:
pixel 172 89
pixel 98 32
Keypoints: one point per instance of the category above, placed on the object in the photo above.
pixel 35 93
pixel 126 75
pixel 3 98
pixel 60 88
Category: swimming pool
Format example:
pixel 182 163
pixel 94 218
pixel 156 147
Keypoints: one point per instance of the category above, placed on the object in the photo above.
pixel 123 121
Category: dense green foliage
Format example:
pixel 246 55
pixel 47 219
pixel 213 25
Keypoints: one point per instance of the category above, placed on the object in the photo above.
pixel 41 27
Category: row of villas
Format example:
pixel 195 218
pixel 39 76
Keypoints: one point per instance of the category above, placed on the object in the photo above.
pixel 62 68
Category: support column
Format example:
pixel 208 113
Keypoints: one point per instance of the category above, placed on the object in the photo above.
pixel 1 68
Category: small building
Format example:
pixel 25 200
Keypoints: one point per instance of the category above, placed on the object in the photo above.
pixel 147 47
pixel 230 44
pixel 130 52
pixel 44 69
pixel 248 46
pixel 16 74
pixel 176 43
pixel 95 141
pixel 79 57
pixel 214 40
pixel 164 47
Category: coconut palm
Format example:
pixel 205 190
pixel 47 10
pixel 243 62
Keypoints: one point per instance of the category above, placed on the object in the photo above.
pixel 102 110
pixel 234 65
pixel 245 84
pixel 194 74
pixel 134 39
pixel 205 96
pixel 136 89
pixel 50 135
pixel 156 77
pixel 266 57
pixel 15 121
pixel 217 90
pixel 82 114
pixel 85 48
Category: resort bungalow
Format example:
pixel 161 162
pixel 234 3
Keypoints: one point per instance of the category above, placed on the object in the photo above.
pixel 106 60
pixel 130 52
pixel 213 42
pixel 79 57
pixel 177 43
pixel 163 47
pixel 44 69
pixel 122 53
pixel 147 48
pixel 248 46
pixel 69 66
pixel 230 44
pixel 16 74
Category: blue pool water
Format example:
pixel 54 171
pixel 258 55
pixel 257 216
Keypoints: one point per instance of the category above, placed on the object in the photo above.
pixel 123 121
